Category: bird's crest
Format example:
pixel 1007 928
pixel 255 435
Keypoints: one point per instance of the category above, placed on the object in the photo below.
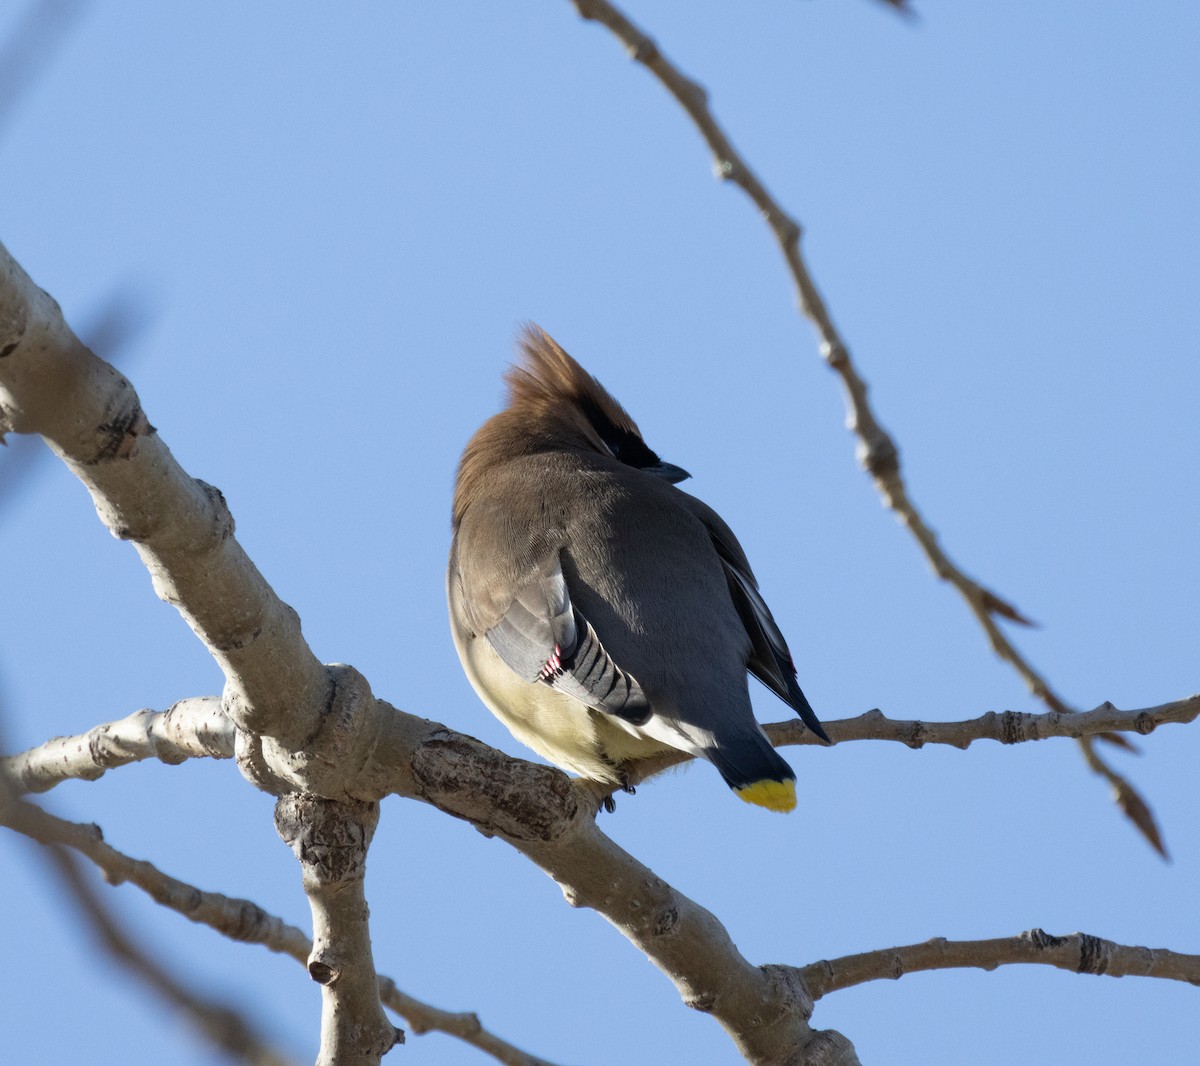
pixel 548 377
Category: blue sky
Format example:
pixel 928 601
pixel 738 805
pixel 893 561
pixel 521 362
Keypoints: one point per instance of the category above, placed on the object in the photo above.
pixel 330 220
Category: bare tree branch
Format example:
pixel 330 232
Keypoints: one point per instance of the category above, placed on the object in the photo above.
pixel 238 919
pixel 220 1023
pixel 536 810
pixel 90 415
pixel 331 840
pixel 245 921
pixel 549 818
pixel 198 727
pixel 117 321
pixel 877 451
pixel 1078 952
pixel 190 729
pixel 1006 727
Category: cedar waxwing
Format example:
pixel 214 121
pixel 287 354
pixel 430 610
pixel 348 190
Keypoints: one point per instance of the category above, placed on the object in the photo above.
pixel 601 613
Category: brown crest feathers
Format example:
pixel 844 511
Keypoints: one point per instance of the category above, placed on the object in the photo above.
pixel 549 377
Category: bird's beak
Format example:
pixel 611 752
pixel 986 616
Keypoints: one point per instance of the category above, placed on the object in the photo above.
pixel 668 471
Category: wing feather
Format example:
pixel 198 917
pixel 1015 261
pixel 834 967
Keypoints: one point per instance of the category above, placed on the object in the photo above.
pixel 770 659
pixel 542 637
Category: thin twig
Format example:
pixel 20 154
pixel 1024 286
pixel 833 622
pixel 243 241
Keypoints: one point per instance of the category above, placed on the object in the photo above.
pixel 1125 795
pixel 877 451
pixel 465 1025
pixel 1078 952
pixel 1004 727
pixel 237 919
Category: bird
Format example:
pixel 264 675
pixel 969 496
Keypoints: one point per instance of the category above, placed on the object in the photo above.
pixel 604 615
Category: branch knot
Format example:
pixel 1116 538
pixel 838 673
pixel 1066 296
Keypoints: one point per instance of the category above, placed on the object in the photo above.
pixel 330 838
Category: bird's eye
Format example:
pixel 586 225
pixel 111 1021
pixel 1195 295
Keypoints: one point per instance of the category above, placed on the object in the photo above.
pixel 630 449
pixel 622 444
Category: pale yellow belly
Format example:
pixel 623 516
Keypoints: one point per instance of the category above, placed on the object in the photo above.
pixel 557 727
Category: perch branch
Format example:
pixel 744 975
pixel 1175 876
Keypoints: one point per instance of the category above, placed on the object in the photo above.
pixel 535 809
pixel 1006 727
pixel 198 727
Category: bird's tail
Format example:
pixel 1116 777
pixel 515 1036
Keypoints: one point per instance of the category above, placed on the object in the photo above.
pixel 755 771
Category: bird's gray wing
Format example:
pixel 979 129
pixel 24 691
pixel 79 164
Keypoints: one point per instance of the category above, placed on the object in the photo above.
pixel 770 659
pixel 542 637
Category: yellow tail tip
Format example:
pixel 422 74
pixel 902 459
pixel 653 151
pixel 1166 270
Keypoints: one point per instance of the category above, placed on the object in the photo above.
pixel 774 795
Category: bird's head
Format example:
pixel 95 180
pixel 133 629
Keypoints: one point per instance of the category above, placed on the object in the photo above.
pixel 548 385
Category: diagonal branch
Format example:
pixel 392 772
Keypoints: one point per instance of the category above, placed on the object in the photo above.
pixel 877 451
pixel 465 1025
pixel 91 417
pixel 1078 952
pixel 238 919
pixel 220 1023
pixel 550 819
pixel 245 921
pixel 279 696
